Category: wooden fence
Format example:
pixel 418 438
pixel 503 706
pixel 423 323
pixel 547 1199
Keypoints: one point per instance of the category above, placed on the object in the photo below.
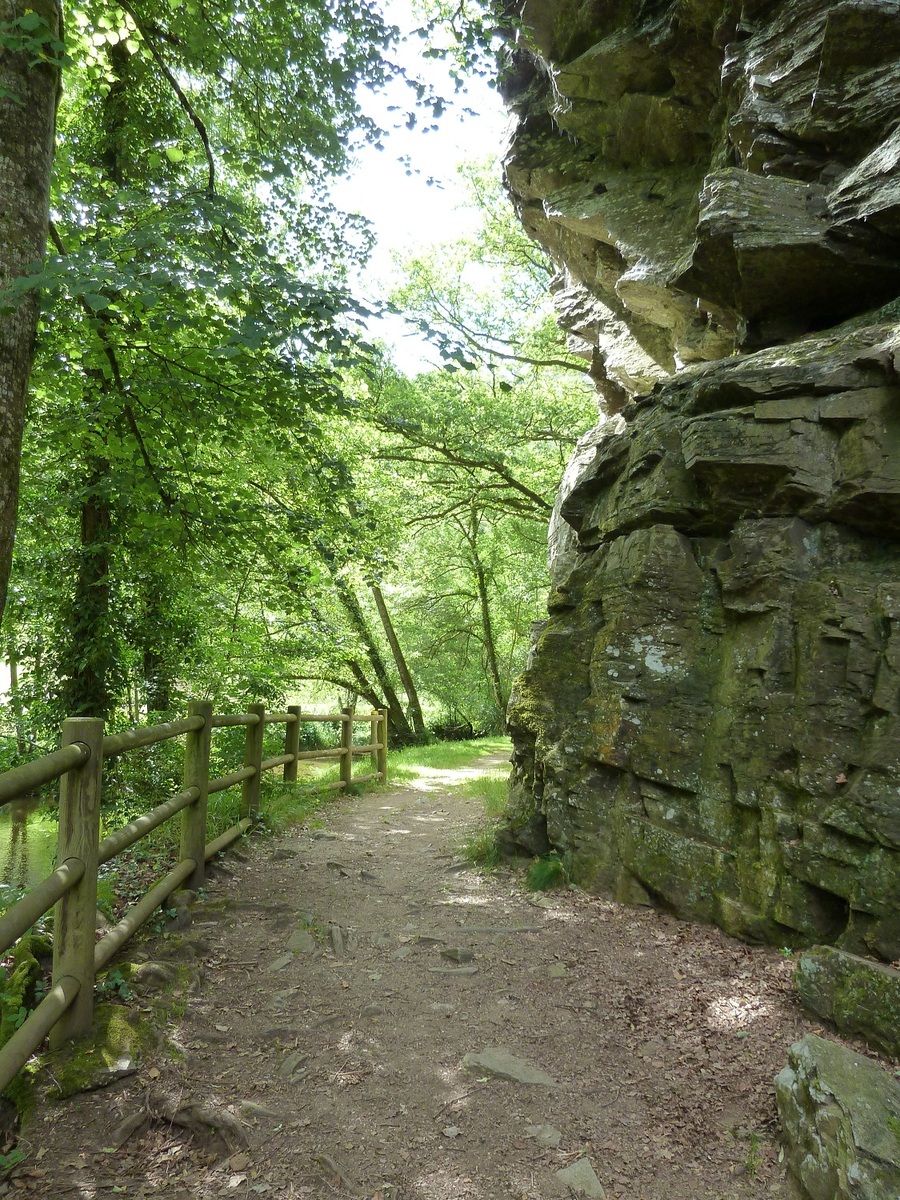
pixel 67 1010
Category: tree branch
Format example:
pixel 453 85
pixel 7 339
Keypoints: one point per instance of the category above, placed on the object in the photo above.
pixel 179 92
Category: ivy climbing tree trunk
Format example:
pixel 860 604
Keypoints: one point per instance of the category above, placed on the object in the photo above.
pixel 28 98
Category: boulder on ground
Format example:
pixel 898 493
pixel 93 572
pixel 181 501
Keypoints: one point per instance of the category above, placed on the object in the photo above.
pixel 856 994
pixel 840 1115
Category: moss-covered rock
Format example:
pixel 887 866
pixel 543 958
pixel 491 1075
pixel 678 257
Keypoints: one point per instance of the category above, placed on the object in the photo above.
pixel 711 714
pixel 716 708
pixel 840 1115
pixel 121 1036
pixel 858 995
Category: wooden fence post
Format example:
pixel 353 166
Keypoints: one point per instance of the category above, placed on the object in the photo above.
pixel 196 774
pixel 374 730
pixel 253 752
pixel 292 744
pixel 75 919
pixel 383 738
pixel 347 747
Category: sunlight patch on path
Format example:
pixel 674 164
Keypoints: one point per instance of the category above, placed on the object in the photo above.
pixel 433 779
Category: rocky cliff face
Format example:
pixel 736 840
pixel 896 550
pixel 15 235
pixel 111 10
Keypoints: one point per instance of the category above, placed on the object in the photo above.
pixel 711 717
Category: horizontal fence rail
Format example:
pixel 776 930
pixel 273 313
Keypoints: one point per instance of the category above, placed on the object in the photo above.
pixel 66 1011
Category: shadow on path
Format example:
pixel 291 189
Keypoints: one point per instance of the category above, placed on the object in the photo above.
pixel 346 972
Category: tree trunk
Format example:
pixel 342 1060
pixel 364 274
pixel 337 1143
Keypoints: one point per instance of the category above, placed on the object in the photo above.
pixel 154 636
pixel 487 626
pixel 16 700
pixel 415 708
pixel 397 717
pixel 157 684
pixel 90 650
pixel 28 97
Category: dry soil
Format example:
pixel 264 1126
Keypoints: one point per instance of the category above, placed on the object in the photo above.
pixel 344 973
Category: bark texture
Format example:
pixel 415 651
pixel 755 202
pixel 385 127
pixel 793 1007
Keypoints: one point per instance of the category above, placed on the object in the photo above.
pixel 28 98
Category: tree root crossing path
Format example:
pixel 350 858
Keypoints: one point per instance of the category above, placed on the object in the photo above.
pixel 358 1012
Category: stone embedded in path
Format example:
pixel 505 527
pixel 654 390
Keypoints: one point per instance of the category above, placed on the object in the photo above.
pixel 544 1135
pixel 581 1178
pixel 840 1115
pixel 280 999
pixel 324 835
pixel 502 1064
pixel 457 954
pixel 337 939
pixel 280 963
pixel 302 941
pixel 292 1064
pixel 249 1109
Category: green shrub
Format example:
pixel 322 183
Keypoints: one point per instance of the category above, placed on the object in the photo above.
pixel 545 874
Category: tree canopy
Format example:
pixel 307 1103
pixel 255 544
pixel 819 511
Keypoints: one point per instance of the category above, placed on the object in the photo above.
pixel 227 490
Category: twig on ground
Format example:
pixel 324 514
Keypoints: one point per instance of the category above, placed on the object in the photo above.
pixel 455 1100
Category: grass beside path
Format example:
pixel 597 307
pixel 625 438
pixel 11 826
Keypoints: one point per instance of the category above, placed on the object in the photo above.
pixel 405 765
pixel 283 805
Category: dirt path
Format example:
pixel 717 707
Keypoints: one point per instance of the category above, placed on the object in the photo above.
pixel 347 971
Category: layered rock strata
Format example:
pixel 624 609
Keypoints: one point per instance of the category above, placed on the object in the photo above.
pixel 711 715
pixel 709 175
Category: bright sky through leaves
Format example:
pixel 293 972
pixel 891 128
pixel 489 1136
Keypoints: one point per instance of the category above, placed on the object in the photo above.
pixel 391 187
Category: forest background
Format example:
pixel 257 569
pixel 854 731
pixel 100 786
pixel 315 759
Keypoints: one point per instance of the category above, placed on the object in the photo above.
pixel 228 490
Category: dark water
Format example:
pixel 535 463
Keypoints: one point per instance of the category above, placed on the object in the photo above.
pixel 27 847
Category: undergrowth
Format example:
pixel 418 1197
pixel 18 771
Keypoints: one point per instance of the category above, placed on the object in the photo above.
pixel 482 849
pixel 547 873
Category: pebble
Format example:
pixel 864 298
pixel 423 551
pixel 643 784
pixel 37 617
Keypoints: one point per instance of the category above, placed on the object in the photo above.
pixel 457 954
